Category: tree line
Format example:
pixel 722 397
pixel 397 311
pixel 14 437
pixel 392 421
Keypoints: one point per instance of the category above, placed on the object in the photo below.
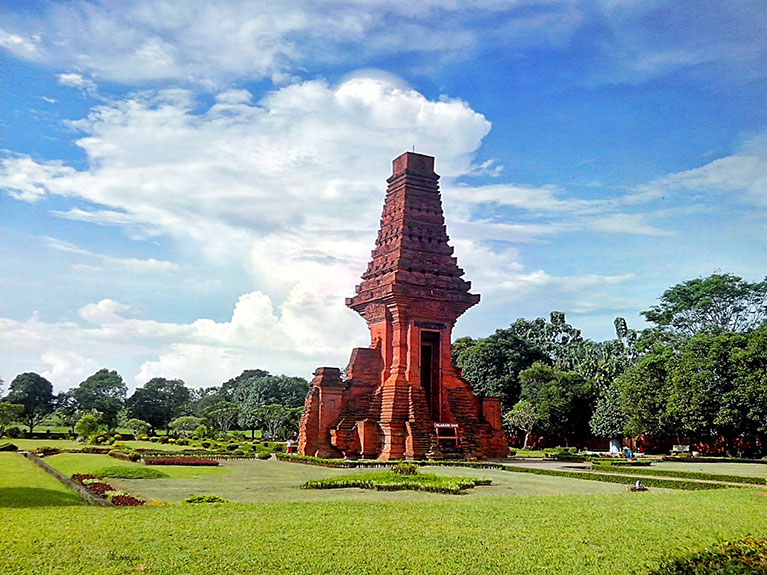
pixel 698 372
pixel 254 400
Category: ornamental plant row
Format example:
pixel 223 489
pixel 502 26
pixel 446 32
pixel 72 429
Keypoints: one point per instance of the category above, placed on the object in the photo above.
pixel 687 475
pixel 179 461
pixel 99 487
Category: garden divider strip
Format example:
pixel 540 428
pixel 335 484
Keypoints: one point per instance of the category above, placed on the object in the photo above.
pixel 86 495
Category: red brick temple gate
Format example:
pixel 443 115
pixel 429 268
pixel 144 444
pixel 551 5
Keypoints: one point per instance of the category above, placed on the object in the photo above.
pixel 402 397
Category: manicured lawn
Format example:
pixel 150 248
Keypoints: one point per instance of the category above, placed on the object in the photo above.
pixel 24 484
pixel 749 469
pixel 32 444
pixel 256 481
pixel 610 534
pixel 290 530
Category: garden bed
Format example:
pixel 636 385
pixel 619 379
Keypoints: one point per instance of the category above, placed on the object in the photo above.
pixel 390 481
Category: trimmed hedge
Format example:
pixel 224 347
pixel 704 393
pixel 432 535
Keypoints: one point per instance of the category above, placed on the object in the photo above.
pixel 8 447
pixel 368 463
pixel 622 479
pixel 390 481
pixel 688 475
pixel 179 461
pixel 205 499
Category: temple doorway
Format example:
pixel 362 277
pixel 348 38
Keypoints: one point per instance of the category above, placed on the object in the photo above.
pixel 430 372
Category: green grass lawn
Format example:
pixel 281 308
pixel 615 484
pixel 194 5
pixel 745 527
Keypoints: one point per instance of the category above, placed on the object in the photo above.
pixel 32 444
pixel 24 484
pixel 272 480
pixel 579 534
pixel 749 469
pixel 589 528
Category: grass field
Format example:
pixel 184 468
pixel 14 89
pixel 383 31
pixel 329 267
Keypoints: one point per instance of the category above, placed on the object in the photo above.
pixel 31 444
pixel 24 484
pixel 262 481
pixel 509 527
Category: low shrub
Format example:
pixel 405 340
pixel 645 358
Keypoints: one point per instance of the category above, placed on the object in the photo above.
pixel 14 433
pixel 405 469
pixel 45 451
pixel 93 450
pixel 264 455
pixel 688 475
pixel 131 473
pixel 205 499
pixel 125 455
pixel 154 439
pixel 232 447
pixel 143 437
pixel 390 481
pixel 746 556
pixel 8 447
pixel 206 444
pixel 622 479
pixel 179 461
pixel 512 452
pixel 182 441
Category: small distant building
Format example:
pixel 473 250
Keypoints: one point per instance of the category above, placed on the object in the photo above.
pixel 402 398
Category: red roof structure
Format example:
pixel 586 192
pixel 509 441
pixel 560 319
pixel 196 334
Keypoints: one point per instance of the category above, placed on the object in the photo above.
pixel 402 398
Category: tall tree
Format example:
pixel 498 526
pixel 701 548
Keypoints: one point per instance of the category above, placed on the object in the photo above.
pixel 720 302
pixel 492 365
pixel 523 416
pixel 707 397
pixel 67 410
pixel 104 391
pixel 159 401
pixel 222 415
pixel 563 400
pixel 609 419
pixel 35 393
pixel 645 388
pixel 9 413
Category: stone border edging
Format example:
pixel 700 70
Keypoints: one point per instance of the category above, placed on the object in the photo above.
pixel 86 495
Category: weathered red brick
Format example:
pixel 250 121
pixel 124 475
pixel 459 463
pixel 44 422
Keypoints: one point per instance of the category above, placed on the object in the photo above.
pixel 403 392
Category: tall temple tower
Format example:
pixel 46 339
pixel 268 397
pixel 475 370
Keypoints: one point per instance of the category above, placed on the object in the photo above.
pixel 402 397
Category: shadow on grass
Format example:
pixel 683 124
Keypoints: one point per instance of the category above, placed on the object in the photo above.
pixel 18 497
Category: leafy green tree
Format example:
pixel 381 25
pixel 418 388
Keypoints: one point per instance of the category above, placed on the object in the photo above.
pixel 523 416
pixel 67 410
pixel 222 415
pixel 9 413
pixel 492 365
pixel 87 426
pixel 750 367
pixel 35 393
pixel 707 396
pixel 645 389
pixel 609 420
pixel 159 402
pixel 719 303
pixel 186 424
pixel 559 341
pixel 104 391
pixel 278 420
pixel 228 388
pixel 563 400
pixel 138 426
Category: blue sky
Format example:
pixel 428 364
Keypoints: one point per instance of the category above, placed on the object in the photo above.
pixel 190 189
